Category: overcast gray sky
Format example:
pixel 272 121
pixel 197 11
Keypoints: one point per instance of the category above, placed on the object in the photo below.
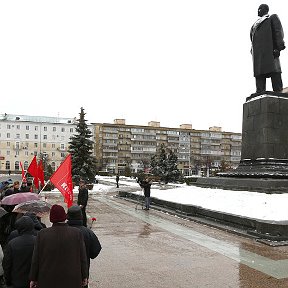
pixel 172 61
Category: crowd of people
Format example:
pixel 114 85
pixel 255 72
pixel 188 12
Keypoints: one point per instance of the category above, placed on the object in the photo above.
pixel 32 255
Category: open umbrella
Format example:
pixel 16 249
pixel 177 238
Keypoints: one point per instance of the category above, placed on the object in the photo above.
pixel 39 207
pixel 2 212
pixel 18 198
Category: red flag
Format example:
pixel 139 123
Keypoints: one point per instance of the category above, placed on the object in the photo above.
pixel 62 180
pixel 41 173
pixel 23 172
pixel 33 170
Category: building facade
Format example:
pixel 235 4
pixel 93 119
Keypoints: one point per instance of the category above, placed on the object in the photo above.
pixel 22 137
pixel 119 146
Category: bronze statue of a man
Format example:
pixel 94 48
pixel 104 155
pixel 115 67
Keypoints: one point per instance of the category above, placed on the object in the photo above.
pixel 267 39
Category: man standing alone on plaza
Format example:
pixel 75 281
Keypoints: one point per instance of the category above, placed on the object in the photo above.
pixel 83 200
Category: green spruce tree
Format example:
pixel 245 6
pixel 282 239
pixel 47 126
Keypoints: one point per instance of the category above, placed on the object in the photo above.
pixel 164 165
pixel 81 150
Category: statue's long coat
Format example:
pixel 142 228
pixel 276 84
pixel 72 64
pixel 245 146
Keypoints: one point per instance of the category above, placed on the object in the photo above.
pixel 265 38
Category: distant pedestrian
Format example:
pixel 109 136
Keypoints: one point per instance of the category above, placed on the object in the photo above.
pixel 18 255
pixel 146 185
pixel 117 180
pixel 83 199
pixel 92 244
pixel 59 259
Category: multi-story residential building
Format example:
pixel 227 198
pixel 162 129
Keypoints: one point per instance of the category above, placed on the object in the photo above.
pixel 22 137
pixel 118 146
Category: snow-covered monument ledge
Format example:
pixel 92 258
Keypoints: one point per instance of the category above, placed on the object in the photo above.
pixel 264 155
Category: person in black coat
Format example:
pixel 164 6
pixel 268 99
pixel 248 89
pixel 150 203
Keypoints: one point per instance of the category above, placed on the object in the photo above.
pixel 24 187
pixel 267 39
pixel 83 200
pixel 92 244
pixel 37 226
pixel 146 185
pixel 18 255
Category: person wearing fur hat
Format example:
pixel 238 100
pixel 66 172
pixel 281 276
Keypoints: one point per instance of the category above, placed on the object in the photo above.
pixel 92 244
pixel 18 255
pixel 59 258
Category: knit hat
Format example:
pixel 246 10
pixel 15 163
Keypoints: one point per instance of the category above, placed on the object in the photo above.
pixel 57 214
pixel 74 213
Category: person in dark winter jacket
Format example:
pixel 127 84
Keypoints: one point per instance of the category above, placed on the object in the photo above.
pixel 37 226
pixel 24 187
pixel 83 200
pixel 92 244
pixel 18 255
pixel 146 185
pixel 59 258
pixel 267 40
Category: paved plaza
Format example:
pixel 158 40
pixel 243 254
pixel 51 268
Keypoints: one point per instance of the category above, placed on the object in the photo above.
pixel 155 249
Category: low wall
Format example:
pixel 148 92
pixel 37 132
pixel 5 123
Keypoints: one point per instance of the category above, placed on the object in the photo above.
pixel 267 230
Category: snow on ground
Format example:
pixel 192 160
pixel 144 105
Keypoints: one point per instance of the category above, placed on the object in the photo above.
pixel 248 204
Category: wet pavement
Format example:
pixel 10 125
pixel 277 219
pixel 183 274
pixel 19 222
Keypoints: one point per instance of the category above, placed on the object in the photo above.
pixel 155 249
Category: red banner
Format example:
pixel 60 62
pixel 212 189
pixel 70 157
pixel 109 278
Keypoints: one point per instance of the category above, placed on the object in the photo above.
pixel 41 173
pixel 33 170
pixel 62 180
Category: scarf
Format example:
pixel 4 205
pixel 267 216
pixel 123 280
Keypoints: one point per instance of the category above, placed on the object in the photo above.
pixel 258 22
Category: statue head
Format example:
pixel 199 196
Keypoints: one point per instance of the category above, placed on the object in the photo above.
pixel 263 10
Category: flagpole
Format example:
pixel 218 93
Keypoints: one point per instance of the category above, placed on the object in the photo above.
pixel 44 186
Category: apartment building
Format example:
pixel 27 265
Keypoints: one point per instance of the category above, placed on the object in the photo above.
pixel 22 137
pixel 118 146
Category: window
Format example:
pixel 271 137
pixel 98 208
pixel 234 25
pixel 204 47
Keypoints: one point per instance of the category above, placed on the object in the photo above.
pixel 26 136
pixel 8 144
pixel 8 135
pixel 53 145
pixel 62 129
pixel 71 130
pixel 8 126
pixel 8 152
pixel 35 136
pixel 18 127
pixel 17 145
pixel 53 154
pixel 26 153
pixel 63 154
pixel 7 165
pixel 17 136
pixel 45 137
pixel 26 165
pixel 35 145
pixel 44 145
pixel 27 127
pixel 16 165
pixel 62 146
pixel 54 129
pixel 36 128
pixel 45 128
